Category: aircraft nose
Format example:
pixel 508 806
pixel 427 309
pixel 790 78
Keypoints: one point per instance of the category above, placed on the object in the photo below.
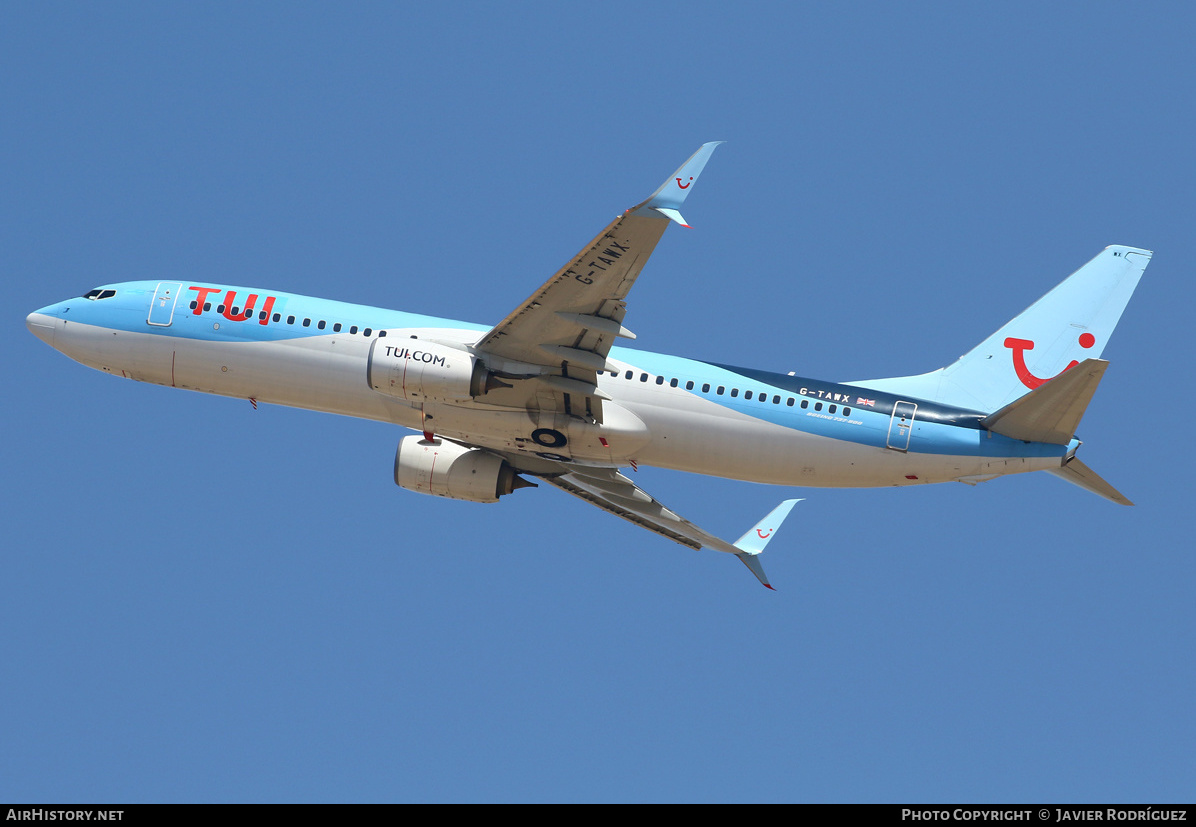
pixel 41 325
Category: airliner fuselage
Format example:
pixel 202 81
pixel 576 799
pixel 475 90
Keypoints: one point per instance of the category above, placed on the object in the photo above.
pixel 676 413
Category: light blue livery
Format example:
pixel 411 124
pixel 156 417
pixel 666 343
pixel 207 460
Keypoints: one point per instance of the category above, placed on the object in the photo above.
pixel 547 393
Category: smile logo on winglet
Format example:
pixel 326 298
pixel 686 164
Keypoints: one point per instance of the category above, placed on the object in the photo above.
pixel 763 535
pixel 686 185
pixel 1019 348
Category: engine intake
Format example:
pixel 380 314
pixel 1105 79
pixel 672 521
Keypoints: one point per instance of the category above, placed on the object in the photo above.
pixel 446 469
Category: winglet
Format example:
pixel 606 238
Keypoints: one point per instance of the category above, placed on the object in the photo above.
pixel 757 537
pixel 668 199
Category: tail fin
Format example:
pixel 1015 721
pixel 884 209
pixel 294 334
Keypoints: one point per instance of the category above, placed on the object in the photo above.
pixel 1070 324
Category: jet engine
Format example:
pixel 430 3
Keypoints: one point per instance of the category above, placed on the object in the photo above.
pixel 446 469
pixel 418 370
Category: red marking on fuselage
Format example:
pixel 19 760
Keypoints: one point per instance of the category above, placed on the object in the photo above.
pixel 202 297
pixel 1019 348
pixel 244 314
pixel 266 308
pixel 686 185
pixel 231 296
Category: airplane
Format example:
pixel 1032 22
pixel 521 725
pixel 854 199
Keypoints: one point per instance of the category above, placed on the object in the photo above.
pixel 547 394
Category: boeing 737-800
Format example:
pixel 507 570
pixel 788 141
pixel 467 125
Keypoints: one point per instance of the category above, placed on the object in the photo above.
pixel 546 394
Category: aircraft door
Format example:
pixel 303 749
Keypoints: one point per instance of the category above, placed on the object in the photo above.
pixel 901 425
pixel 161 312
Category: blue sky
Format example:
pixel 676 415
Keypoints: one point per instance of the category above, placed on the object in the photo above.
pixel 204 602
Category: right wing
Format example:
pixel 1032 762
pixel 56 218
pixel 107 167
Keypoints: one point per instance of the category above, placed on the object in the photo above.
pixel 611 491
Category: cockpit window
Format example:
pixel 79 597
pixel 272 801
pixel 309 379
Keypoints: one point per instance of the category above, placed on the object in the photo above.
pixel 99 294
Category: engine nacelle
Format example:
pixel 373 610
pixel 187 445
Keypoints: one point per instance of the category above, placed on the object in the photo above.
pixel 446 469
pixel 418 370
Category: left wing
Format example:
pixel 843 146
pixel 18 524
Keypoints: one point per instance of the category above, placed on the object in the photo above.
pixel 611 491
pixel 560 336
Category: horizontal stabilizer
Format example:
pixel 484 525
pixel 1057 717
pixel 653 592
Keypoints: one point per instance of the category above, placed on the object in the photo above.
pixel 1077 473
pixel 1052 411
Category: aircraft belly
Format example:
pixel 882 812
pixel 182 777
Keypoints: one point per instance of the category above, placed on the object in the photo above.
pixel 315 373
pixel 324 373
pixel 727 443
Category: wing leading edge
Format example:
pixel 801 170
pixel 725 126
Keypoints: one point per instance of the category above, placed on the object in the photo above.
pixel 559 337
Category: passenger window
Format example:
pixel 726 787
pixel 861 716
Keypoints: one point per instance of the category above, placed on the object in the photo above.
pixel 277 316
pixel 220 309
pixel 776 400
pixel 789 402
pixel 381 333
pixel 660 380
pixel 689 386
pixel 629 375
pixel 720 390
pixel 818 406
pixel 831 409
pixel 353 329
pixel 207 306
pixel 336 328
pixel 194 304
pixel 747 394
pixel 643 377
pixel 847 411
pixel 672 383
pixel 320 324
pixel 368 331
pixel 290 319
pixel 307 322
pixel 261 317
pixel 805 403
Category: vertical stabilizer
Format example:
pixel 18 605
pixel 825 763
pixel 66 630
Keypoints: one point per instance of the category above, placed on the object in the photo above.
pixel 1071 323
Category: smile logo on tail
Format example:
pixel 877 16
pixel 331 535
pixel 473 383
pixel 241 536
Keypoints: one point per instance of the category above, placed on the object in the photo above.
pixel 685 185
pixel 764 535
pixel 1019 348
